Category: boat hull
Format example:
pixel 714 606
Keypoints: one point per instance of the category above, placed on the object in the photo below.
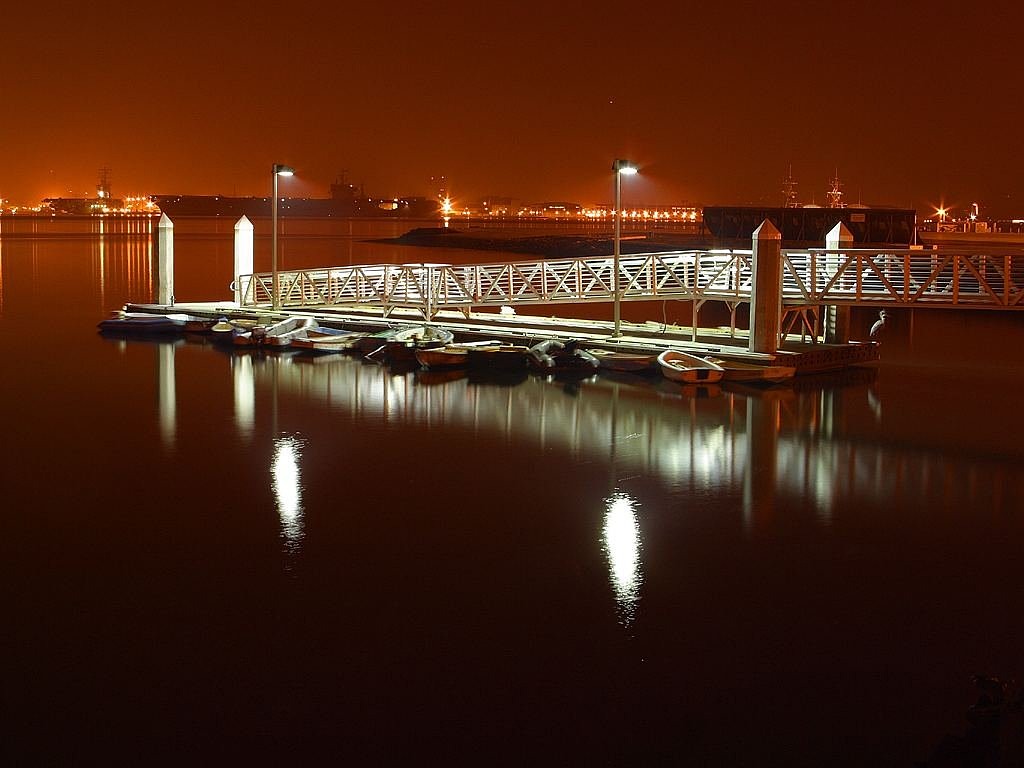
pixel 752 373
pixel 689 369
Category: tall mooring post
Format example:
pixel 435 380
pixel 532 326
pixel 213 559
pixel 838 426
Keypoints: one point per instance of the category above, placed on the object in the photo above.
pixel 837 319
pixel 165 261
pixel 243 258
pixel 766 293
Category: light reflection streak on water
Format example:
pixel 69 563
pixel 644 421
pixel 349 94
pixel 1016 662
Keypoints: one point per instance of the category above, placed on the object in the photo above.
pixel 773 447
pixel 287 485
pixel 622 548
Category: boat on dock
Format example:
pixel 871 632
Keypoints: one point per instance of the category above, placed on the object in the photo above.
pixel 685 368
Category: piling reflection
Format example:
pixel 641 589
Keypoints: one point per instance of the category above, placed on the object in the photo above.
pixel 245 396
pixel 622 551
pixel 167 396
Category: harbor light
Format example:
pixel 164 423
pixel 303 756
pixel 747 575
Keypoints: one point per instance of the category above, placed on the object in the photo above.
pixel 619 168
pixel 278 170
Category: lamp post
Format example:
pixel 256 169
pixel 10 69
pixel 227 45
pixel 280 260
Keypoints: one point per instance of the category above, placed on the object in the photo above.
pixel 619 167
pixel 279 170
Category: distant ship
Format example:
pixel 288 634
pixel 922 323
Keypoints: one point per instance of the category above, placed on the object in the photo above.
pixel 807 226
pixel 346 201
pixel 988 239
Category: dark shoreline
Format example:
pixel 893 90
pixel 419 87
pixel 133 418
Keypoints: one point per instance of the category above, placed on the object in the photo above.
pixel 548 246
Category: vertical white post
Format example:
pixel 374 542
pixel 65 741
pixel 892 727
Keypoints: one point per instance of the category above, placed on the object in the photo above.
pixel 616 255
pixel 837 319
pixel 165 261
pixel 275 299
pixel 243 257
pixel 766 293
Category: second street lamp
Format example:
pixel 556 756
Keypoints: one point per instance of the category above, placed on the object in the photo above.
pixel 279 170
pixel 619 167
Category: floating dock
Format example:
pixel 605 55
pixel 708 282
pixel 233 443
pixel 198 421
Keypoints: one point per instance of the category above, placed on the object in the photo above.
pixel 805 356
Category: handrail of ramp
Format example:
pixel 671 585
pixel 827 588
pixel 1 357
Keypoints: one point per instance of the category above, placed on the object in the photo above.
pixel 812 277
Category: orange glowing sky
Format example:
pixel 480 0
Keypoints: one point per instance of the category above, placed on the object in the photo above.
pixel 914 104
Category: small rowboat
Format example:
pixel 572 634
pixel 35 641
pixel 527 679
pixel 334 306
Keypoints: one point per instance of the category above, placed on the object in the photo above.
pixel 448 356
pixel 498 358
pixel 752 373
pixel 142 323
pixel 402 347
pixel 278 334
pixel 689 369
pixel 626 362
pixel 321 339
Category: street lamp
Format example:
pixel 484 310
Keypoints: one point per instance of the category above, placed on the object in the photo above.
pixel 619 167
pixel 279 170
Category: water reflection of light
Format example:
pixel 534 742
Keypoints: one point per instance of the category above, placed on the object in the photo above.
pixel 622 548
pixel 288 488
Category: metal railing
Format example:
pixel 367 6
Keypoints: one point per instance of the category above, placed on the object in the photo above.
pixel 813 277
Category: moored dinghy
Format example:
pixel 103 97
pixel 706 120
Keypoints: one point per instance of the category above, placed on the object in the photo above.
pixel 626 362
pixel 327 340
pixel 143 323
pixel 279 333
pixel 753 373
pixel 689 369
pixel 554 356
pixel 402 346
pixel 498 357
pixel 449 356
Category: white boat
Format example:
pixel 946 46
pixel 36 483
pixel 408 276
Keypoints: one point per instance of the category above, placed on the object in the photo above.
pixel 287 331
pixel 322 339
pixel 280 333
pixel 689 369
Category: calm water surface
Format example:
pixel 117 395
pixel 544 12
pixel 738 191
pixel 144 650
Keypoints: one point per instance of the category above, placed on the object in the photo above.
pixel 212 556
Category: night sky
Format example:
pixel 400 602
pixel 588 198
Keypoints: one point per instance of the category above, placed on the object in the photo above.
pixel 915 104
